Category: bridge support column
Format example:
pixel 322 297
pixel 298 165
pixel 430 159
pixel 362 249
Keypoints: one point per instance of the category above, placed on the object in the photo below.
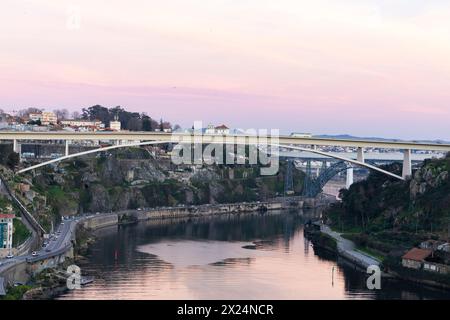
pixel 16 146
pixel 67 147
pixel 360 155
pixel 407 168
pixel 349 179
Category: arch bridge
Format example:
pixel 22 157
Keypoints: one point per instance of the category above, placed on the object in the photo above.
pixel 303 144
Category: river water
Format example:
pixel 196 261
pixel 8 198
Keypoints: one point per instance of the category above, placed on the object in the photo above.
pixel 249 256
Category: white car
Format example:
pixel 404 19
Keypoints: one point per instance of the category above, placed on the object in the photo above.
pixel 9 256
pixel 34 254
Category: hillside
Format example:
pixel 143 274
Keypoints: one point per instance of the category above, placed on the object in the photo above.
pixel 386 214
pixel 131 179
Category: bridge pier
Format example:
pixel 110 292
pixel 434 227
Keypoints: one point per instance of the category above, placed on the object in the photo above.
pixel 407 167
pixel 16 146
pixel 349 178
pixel 67 147
pixel 360 155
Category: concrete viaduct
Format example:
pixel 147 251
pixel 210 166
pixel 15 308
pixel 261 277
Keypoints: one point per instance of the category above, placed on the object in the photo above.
pixel 303 144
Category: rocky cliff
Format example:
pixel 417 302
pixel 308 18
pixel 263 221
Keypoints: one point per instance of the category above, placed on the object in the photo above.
pixel 131 180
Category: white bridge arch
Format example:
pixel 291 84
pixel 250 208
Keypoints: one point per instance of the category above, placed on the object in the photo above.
pixel 138 144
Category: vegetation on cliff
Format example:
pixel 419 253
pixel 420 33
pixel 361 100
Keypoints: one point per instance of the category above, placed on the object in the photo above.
pixel 387 214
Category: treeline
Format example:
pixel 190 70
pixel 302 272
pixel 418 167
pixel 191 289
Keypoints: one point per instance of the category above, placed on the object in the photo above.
pixel 133 121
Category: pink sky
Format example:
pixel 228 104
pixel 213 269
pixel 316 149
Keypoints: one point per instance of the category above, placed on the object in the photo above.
pixel 362 67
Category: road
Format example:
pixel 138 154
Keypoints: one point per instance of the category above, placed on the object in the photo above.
pixel 60 242
pixel 347 249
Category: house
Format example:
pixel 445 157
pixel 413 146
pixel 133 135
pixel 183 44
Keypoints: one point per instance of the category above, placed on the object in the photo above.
pixel 430 245
pixel 49 118
pixel 46 117
pixel 444 247
pixel 210 129
pixel 435 264
pixel 35 117
pixel 222 129
pixel 83 125
pixel 415 257
pixel 6 232
pixel 115 125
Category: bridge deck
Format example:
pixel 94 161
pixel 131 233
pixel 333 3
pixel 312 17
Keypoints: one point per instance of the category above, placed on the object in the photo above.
pixel 186 137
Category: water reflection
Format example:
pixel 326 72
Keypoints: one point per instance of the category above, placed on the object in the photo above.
pixel 251 256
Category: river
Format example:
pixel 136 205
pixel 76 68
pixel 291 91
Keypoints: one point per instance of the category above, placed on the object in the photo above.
pixel 249 256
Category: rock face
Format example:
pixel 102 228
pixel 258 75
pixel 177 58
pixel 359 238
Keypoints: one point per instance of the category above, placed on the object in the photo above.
pixel 426 178
pixel 111 183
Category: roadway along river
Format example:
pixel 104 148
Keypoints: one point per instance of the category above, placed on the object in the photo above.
pixel 204 259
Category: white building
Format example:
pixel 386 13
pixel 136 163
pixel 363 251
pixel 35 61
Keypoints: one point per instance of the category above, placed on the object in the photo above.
pixel 222 129
pixel 49 117
pixel 115 125
pixel 46 117
pixel 35 116
pixel 210 129
pixel 6 232
pixel 84 124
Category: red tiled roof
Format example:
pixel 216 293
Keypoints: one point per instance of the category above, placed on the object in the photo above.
pixel 6 216
pixel 417 254
pixel 222 127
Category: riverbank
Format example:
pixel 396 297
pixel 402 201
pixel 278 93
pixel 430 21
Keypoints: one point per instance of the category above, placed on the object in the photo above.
pixel 325 238
pixel 321 235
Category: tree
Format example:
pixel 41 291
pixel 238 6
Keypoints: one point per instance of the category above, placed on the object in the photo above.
pixel 146 123
pixel 75 115
pixel 134 124
pixel 96 112
pixel 13 160
pixel 61 114
pixel 24 113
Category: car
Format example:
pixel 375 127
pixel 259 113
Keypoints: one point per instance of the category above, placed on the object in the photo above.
pixel 10 256
pixel 34 254
pixel 62 223
pixel 47 250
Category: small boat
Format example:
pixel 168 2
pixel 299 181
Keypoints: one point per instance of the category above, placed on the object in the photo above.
pixel 86 280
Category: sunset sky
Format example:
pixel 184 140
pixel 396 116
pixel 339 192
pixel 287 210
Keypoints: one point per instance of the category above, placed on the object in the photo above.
pixel 361 67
